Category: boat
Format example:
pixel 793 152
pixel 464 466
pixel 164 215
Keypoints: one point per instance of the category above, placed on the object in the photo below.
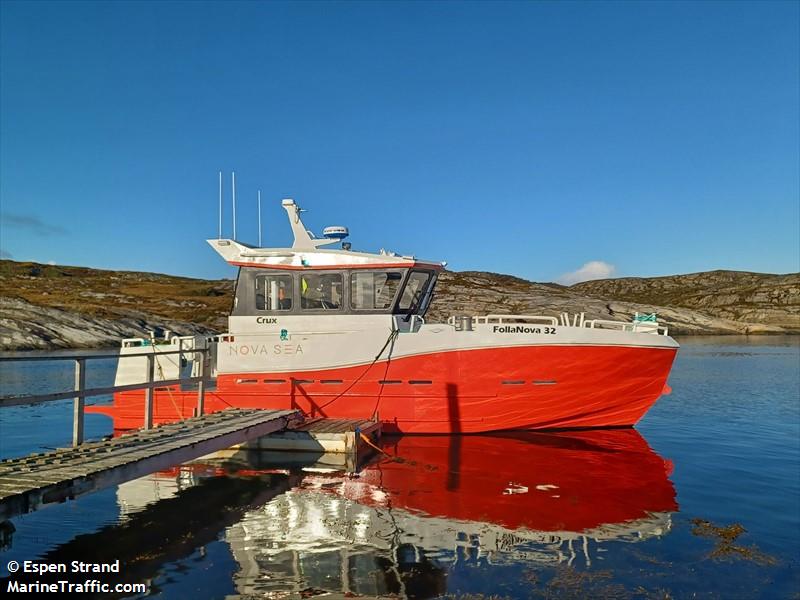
pixel 339 333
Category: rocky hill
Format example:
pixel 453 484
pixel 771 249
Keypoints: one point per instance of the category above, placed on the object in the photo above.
pixel 745 297
pixel 45 306
pixel 484 293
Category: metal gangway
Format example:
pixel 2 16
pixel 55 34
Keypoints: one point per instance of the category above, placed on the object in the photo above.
pixel 30 482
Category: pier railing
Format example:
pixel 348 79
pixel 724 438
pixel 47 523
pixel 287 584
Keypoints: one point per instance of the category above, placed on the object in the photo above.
pixel 80 392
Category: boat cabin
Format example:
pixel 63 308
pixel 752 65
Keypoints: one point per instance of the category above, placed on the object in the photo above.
pixel 306 280
pixel 397 291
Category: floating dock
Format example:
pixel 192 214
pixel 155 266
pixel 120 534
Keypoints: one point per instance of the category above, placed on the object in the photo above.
pixel 340 444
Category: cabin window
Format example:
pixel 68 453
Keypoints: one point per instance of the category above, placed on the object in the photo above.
pixel 274 292
pixel 321 291
pixel 414 292
pixel 373 290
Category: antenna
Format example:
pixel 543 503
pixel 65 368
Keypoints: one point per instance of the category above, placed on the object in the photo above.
pixel 220 205
pixel 259 218
pixel 233 191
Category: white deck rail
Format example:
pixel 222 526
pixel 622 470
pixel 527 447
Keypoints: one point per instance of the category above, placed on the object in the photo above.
pixel 635 327
pixel 564 320
pixel 509 319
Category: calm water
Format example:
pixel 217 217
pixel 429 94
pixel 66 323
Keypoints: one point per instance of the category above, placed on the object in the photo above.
pixel 609 514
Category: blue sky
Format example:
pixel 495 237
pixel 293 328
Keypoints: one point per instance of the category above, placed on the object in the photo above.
pixel 525 138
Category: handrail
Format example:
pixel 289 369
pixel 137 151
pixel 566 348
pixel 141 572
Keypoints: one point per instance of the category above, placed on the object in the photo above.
pixel 578 321
pixel 80 392
pixel 551 320
pixel 6 401
pixel 500 318
pixel 635 327
pixel 93 356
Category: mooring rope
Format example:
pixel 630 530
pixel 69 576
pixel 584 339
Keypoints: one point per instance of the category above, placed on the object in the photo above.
pixel 392 336
pixel 161 374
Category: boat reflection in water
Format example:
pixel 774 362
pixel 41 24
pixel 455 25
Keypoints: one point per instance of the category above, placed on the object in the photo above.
pixel 412 526
pixel 403 524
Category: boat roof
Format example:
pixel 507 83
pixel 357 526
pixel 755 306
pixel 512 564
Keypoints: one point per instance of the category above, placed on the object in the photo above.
pixel 306 253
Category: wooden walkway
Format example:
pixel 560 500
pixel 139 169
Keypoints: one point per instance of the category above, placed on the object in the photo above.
pixel 28 483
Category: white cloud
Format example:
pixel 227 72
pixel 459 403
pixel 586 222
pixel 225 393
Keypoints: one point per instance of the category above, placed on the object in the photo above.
pixel 595 269
pixel 51 262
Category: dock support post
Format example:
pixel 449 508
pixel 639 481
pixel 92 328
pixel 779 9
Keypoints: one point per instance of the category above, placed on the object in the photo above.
pixel 148 394
pixel 201 385
pixel 78 403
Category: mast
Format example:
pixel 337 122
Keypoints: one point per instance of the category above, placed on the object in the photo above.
pixel 233 191
pixel 220 205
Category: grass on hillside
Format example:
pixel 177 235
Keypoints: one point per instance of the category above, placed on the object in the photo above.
pixel 115 294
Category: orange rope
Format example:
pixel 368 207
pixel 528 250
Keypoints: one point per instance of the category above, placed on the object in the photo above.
pixel 369 443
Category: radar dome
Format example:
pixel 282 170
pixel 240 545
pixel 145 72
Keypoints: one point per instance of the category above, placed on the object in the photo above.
pixel 335 232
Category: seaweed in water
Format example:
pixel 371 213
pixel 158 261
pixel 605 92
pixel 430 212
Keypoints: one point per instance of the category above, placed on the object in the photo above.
pixel 570 583
pixel 726 548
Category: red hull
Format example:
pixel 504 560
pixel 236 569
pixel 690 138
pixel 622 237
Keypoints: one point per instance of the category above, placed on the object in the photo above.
pixel 467 391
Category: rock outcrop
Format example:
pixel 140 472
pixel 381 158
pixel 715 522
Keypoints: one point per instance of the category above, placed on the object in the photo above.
pixel 25 326
pixel 772 300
